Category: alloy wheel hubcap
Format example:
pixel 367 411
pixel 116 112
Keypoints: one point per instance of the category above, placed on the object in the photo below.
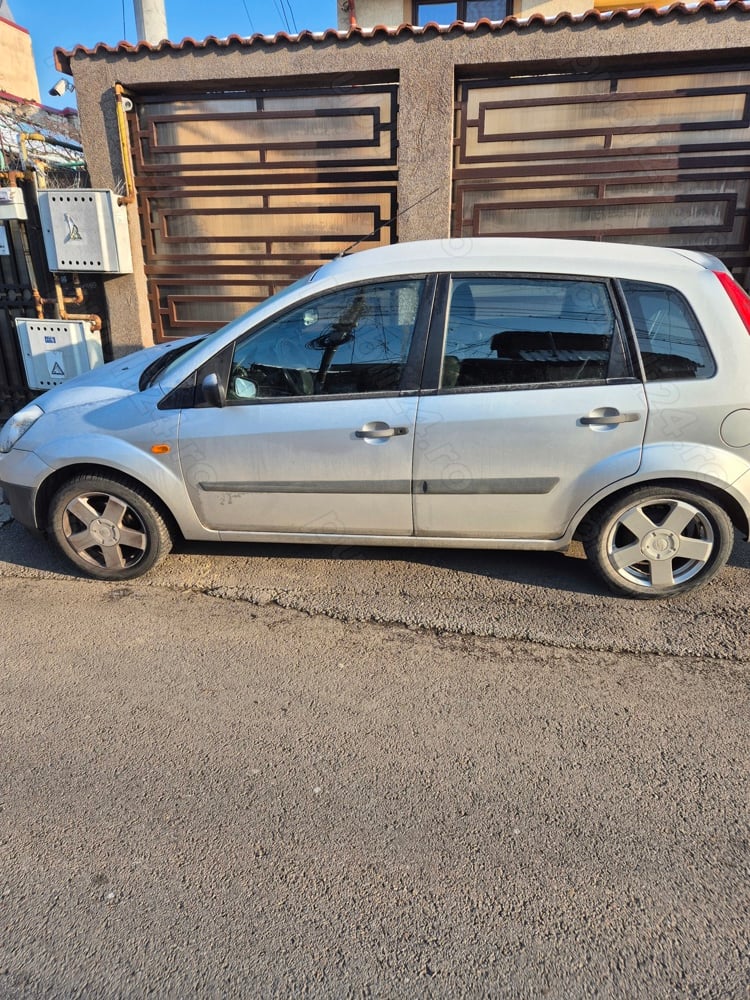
pixel 105 531
pixel 660 543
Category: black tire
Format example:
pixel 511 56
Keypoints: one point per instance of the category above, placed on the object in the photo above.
pixel 658 541
pixel 107 527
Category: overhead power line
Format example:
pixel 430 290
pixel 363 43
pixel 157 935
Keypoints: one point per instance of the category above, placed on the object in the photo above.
pixel 291 14
pixel 282 11
pixel 252 26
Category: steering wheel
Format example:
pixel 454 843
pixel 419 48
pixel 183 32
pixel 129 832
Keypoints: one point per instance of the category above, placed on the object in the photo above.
pixel 300 381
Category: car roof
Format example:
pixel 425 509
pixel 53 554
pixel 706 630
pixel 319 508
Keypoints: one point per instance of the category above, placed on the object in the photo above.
pixel 514 254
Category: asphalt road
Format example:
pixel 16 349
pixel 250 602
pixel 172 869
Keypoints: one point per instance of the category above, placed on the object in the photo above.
pixel 272 772
pixel 546 598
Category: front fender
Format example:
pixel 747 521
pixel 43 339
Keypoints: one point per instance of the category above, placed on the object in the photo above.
pixel 160 474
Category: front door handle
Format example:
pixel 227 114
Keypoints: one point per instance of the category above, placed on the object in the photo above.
pixel 377 429
pixel 606 420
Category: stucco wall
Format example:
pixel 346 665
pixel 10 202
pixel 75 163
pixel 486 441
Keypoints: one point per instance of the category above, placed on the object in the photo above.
pixel 392 13
pixel 372 12
pixel 17 70
pixel 426 66
pixel 525 8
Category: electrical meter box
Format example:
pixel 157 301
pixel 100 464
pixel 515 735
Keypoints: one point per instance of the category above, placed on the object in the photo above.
pixel 55 350
pixel 12 205
pixel 85 230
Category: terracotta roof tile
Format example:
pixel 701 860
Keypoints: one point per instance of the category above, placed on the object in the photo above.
pixel 63 57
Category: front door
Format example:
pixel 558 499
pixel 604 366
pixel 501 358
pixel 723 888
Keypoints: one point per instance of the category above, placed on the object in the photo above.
pixel 317 435
pixel 536 409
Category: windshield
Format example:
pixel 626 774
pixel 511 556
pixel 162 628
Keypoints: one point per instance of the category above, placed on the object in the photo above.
pixel 173 358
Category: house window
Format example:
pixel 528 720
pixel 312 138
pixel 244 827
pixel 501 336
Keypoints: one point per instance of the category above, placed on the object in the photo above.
pixel 464 10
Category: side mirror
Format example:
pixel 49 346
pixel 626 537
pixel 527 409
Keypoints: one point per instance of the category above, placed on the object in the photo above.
pixel 213 390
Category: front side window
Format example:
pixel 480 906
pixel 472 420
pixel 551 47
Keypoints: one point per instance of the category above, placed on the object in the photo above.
pixel 356 340
pixel 520 331
pixel 464 10
pixel 670 339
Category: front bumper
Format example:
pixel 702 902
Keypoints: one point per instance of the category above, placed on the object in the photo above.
pixel 22 500
pixel 21 475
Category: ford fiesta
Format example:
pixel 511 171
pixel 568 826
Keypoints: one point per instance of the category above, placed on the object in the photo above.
pixel 496 394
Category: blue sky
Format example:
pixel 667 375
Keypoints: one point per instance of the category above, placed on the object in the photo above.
pixel 85 22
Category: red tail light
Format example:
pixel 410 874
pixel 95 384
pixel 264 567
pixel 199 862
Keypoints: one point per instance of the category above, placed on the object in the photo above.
pixel 738 295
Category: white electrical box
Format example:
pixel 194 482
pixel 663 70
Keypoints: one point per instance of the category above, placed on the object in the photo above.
pixel 12 205
pixel 85 230
pixel 55 350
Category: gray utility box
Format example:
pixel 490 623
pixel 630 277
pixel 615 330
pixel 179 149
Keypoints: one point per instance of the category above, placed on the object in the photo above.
pixel 55 350
pixel 85 230
pixel 12 205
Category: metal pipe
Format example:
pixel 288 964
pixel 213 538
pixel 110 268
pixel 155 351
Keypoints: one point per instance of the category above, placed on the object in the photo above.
pixel 39 302
pixel 23 139
pixel 35 263
pixel 73 300
pixel 60 302
pixel 127 163
pixel 96 323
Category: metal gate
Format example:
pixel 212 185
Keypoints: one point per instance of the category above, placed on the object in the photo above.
pixel 656 158
pixel 241 193
pixel 16 300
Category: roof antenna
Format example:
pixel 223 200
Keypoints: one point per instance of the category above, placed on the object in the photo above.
pixel 387 222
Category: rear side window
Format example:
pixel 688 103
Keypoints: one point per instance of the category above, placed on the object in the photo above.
pixel 528 331
pixel 670 339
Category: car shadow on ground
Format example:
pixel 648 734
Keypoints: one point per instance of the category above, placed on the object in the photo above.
pixel 19 547
pixel 563 571
pixel 542 569
pixel 566 571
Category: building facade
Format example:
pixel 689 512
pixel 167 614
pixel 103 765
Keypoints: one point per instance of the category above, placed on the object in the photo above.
pixel 368 14
pixel 17 69
pixel 247 162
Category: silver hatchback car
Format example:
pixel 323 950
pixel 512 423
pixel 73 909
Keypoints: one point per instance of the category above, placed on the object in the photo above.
pixel 496 394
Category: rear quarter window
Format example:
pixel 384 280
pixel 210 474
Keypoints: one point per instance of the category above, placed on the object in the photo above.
pixel 670 339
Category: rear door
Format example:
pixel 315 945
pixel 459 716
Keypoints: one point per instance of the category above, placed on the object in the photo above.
pixel 536 407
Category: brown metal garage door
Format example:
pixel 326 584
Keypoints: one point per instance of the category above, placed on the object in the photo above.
pixel 634 157
pixel 241 193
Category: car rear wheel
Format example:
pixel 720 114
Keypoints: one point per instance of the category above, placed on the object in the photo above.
pixel 659 542
pixel 108 528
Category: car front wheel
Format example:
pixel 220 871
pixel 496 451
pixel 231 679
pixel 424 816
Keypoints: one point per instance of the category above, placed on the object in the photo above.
pixel 108 528
pixel 659 541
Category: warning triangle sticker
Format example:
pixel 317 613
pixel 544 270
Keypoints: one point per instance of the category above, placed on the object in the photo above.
pixel 57 369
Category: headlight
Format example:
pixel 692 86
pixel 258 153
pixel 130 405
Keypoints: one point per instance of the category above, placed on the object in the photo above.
pixel 17 426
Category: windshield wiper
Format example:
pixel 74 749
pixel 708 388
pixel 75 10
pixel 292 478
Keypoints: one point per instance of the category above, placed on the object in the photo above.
pixel 152 371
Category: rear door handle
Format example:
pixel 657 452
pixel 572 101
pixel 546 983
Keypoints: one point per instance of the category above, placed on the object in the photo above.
pixel 605 420
pixel 380 430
